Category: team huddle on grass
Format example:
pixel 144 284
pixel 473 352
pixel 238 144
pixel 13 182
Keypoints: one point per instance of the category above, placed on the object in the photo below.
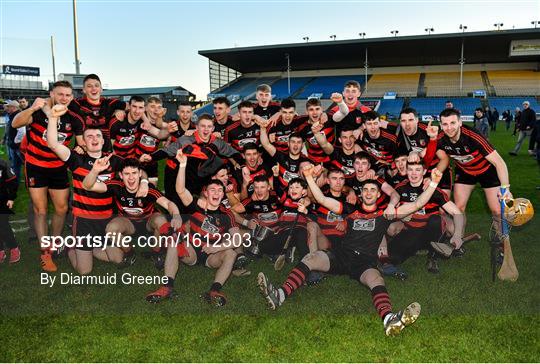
pixel 340 191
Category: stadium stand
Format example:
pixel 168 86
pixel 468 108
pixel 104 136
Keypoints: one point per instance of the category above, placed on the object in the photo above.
pixel 434 105
pixel 244 86
pixel 515 83
pixel 206 109
pixel 280 88
pixel 404 84
pixel 447 83
pixel 327 85
pixel 390 106
pixel 505 103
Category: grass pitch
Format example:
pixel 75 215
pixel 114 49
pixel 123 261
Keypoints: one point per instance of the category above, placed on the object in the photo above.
pixel 465 317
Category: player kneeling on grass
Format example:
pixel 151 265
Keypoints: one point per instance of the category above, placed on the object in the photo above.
pixel 357 255
pixel 423 228
pixel 210 241
pixel 138 215
pixel 91 210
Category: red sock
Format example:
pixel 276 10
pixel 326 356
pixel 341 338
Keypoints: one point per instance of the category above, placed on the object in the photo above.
pixel 296 278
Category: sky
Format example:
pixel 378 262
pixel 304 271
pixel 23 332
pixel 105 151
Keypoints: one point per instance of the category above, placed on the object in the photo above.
pixel 155 43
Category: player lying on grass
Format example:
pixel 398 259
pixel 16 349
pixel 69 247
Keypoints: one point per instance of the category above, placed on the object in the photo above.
pixel 210 241
pixel 137 215
pixel 357 255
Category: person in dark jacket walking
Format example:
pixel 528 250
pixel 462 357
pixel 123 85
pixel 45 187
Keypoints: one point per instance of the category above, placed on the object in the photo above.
pixel 526 128
pixel 8 193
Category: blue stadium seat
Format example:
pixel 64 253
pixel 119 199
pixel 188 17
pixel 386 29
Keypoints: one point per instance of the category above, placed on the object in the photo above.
pixel 390 106
pixel 434 105
pixel 280 88
pixel 327 85
pixel 206 109
pixel 245 86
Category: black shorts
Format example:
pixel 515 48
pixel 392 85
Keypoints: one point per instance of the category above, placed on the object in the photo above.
pixel 92 227
pixel 140 227
pixel 151 169
pixel 202 257
pixel 488 179
pixel 348 262
pixel 53 178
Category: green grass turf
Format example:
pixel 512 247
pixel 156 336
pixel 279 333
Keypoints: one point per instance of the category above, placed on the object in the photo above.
pixel 465 317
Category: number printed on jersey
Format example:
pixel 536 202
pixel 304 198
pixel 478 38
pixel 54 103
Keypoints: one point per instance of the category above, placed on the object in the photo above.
pixel 364 225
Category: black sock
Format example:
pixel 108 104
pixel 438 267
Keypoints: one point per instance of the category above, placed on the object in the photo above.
pixel 169 282
pixel 216 286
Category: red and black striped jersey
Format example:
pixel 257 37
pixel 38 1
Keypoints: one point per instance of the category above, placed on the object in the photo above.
pixel 261 170
pixel 282 132
pixel 220 128
pixel 124 137
pixel 130 206
pixel 288 214
pixel 172 163
pixel 210 225
pixel 417 142
pixel 327 219
pixel 365 229
pixel 356 185
pixel 343 162
pixel 238 136
pixel 408 193
pixel 288 168
pixel 37 151
pixel 381 149
pixel 266 112
pixel 97 115
pixel 225 202
pixel 393 177
pixel 353 118
pixel 89 204
pixel 266 212
pixel 469 152
pixel 315 152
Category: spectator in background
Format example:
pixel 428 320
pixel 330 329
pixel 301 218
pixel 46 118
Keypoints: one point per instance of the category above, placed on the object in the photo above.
pixel 528 117
pixel 23 103
pixel 481 122
pixel 526 126
pixel 517 117
pixel 489 115
pixel 449 104
pixel 494 118
pixel 12 109
pixel 507 117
